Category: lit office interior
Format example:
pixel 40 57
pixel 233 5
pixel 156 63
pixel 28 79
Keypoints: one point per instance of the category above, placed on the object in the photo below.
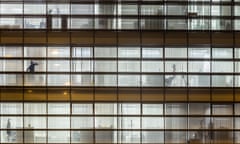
pixel 124 71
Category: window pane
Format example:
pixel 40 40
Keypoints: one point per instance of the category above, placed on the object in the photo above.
pixel 175 109
pixel 105 52
pixel 58 52
pixel 129 52
pixel 82 109
pixel 152 52
pixel 222 53
pixel 176 52
pixel 152 109
pixel 58 108
pixel 199 53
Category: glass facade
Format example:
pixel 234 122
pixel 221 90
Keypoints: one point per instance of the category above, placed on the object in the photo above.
pixel 120 71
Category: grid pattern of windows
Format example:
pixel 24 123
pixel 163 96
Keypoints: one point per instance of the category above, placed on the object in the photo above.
pixel 121 14
pixel 122 66
pixel 120 71
pixel 119 122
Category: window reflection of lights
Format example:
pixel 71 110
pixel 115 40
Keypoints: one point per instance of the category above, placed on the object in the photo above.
pixel 57 65
pixel 54 52
pixel 65 93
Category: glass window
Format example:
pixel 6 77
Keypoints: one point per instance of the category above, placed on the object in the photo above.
pixel 129 136
pixel 128 66
pixel 105 66
pixel 198 122
pixel 105 52
pixel 34 23
pixel 175 123
pixel 129 108
pixel 236 24
pixel 176 9
pixel 129 52
pixel 199 80
pixel 199 108
pixel 11 79
pixel 34 80
pixel 199 66
pixel 11 65
pixel 57 9
pixel 10 52
pixel 176 109
pixel 198 9
pixel 105 122
pixel 222 53
pixel 237 53
pixel 222 66
pixel 58 136
pixel 82 52
pixel 81 122
pixel 105 80
pixel 152 123
pixel 175 66
pixel 9 8
pixel 152 66
pixel 15 122
pixel 11 23
pixel 222 122
pixel 105 23
pixel 82 9
pixel 152 137
pixel 152 109
pixel 58 66
pixel 176 24
pixel 82 66
pixel 152 10
pixel 82 80
pixel 199 52
pixel 105 108
pixel 11 108
pixel 129 123
pixel 35 122
pixel 220 10
pixel 222 109
pixel 34 8
pixel 124 23
pixel 152 52
pixel 35 52
pixel 236 10
pixel 152 80
pixel 176 52
pixel 58 52
pixel 176 80
pixel 223 24
pixel 58 80
pixel 58 108
pixel 80 23
pixel 35 108
pixel 127 9
pixel 222 80
pixel 82 108
pixel 198 24
pixel 105 9
pixel 58 122
pixel 132 80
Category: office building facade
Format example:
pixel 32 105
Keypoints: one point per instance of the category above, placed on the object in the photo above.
pixel 120 71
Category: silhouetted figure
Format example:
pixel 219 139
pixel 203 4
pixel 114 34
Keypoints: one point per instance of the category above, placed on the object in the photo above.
pixel 31 67
pixel 168 81
pixel 9 133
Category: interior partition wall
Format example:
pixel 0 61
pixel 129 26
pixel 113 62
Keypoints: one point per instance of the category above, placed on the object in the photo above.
pixel 124 71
